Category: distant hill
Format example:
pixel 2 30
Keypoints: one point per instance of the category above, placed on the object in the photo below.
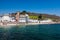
pixel 53 17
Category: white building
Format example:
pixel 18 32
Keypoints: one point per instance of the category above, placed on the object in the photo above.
pixel 24 18
pixel 46 21
pixel 33 21
pixel 5 18
pixel 12 19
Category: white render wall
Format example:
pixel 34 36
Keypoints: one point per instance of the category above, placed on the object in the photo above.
pixel 23 18
pixel 5 18
pixel 31 20
pixel 49 20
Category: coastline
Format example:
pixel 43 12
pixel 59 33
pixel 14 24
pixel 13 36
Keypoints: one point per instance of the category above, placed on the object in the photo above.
pixel 28 24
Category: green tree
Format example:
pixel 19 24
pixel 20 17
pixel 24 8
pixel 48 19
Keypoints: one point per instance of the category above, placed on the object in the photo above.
pixel 24 12
pixel 40 17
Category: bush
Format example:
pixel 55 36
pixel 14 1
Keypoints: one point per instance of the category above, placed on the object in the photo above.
pixel 33 17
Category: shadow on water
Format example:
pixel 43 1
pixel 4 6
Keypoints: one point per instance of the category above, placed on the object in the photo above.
pixel 31 32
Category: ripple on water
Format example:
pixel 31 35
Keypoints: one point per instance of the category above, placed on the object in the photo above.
pixel 31 32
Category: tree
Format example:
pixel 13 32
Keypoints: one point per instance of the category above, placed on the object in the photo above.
pixel 40 17
pixel 24 12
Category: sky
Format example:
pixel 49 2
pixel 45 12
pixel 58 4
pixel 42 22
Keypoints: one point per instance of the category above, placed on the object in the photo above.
pixel 38 6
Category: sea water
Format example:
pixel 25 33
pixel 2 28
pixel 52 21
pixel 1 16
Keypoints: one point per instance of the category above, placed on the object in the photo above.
pixel 31 32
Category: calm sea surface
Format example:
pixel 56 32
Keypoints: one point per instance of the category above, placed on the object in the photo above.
pixel 31 32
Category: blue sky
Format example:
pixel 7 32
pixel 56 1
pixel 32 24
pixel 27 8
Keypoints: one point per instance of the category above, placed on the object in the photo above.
pixel 38 6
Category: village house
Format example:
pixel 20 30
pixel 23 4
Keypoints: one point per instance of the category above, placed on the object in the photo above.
pixel 5 18
pixel 22 18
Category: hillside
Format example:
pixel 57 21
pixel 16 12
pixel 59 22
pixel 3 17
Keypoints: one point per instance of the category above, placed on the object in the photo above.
pixel 35 16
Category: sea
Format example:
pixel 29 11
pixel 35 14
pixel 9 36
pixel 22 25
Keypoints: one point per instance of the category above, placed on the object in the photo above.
pixel 31 32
